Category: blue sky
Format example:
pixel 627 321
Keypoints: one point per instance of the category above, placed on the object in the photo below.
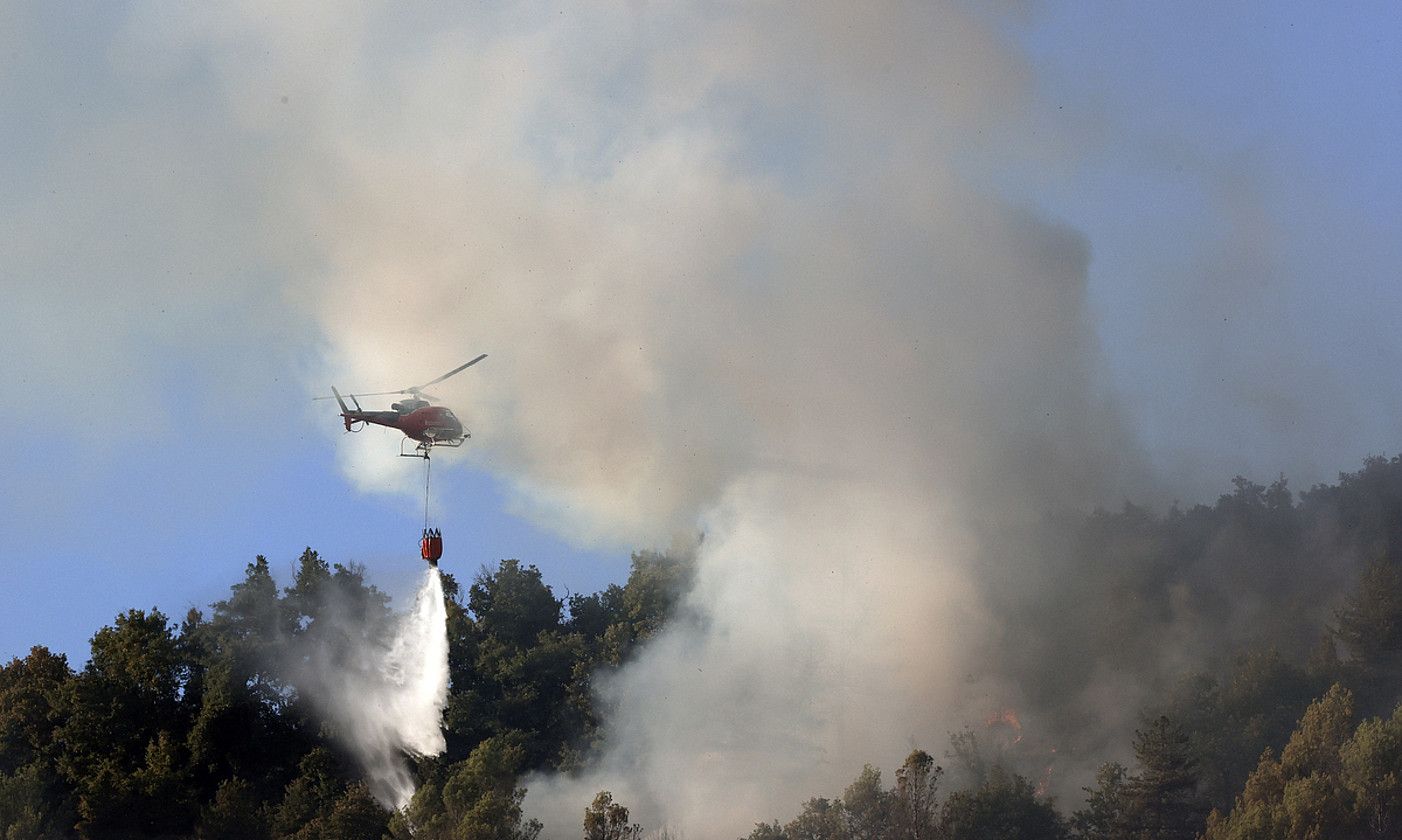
pixel 202 225
pixel 169 520
pixel 1238 186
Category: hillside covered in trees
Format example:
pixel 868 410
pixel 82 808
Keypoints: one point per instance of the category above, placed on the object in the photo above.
pixel 1287 726
pixel 1284 724
pixel 189 728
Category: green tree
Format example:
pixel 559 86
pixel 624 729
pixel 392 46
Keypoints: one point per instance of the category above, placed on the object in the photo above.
pixel 655 583
pixel 513 605
pixel 1165 801
pixel 1108 809
pixel 120 747
pixel 605 819
pixel 244 724
pixel 1229 723
pixel 1369 624
pixel 463 720
pixel 525 668
pixel 1004 807
pixel 767 831
pixel 1371 763
pixel 1300 796
pixel 310 592
pixel 915 808
pixel 152 799
pixel 249 626
pixel 34 800
pixel 326 802
pixel 867 807
pixel 1262 699
pixel 34 804
pixel 969 760
pixel 235 814
pixel 819 819
pixel 310 796
pixel 335 612
pixel 30 697
pixel 476 798
pixel 355 815
pixel 591 615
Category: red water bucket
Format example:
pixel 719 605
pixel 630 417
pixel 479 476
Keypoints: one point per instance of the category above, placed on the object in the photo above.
pixel 431 547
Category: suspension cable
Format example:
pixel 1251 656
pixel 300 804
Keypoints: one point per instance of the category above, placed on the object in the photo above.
pixel 428 465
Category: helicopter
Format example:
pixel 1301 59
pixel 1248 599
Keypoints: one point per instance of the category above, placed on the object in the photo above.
pixel 430 425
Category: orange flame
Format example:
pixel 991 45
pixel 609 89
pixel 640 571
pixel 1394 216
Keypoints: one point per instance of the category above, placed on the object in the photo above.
pixel 1007 716
pixel 1044 785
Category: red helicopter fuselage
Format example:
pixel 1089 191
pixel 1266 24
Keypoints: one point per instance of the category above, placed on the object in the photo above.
pixel 426 424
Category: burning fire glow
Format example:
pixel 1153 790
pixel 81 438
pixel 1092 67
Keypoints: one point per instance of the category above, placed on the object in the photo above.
pixel 1008 718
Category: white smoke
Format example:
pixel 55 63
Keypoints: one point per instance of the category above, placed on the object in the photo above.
pixel 385 695
pixel 841 364
pixel 748 268
pixel 823 632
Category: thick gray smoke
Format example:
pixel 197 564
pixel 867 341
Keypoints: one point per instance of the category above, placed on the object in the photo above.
pixel 847 378
pixel 383 688
pixel 746 269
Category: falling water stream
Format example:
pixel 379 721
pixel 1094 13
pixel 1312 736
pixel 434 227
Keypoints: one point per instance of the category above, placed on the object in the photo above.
pixel 399 709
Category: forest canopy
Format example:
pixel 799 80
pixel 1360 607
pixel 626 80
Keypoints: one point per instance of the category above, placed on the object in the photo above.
pixel 1289 726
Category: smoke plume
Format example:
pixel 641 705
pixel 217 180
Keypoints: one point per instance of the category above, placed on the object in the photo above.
pixel 847 377
pixel 753 269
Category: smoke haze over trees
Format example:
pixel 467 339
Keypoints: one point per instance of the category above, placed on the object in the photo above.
pixel 885 305
pixel 1290 720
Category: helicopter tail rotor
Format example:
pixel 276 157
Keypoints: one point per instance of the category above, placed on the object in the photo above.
pixel 345 410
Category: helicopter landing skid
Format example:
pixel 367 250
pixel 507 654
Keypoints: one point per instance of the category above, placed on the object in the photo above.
pixel 421 450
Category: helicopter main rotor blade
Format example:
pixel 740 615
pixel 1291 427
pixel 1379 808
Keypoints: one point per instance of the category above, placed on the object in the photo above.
pixel 416 390
pixel 376 394
pixel 456 370
pixel 346 396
